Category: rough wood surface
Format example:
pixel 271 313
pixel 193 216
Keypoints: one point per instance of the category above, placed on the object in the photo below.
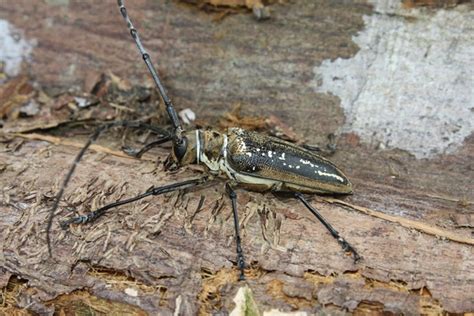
pixel 161 255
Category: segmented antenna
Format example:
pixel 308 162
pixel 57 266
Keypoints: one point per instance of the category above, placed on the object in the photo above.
pixel 169 106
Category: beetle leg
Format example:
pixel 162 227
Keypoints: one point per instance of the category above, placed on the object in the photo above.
pixel 344 244
pixel 331 146
pixel 82 219
pixel 137 153
pixel 240 255
pixel 90 141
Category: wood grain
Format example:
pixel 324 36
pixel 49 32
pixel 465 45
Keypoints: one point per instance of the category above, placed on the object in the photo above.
pixel 171 254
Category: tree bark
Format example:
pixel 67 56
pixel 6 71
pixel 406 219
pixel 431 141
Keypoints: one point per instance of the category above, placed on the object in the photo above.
pixel 164 254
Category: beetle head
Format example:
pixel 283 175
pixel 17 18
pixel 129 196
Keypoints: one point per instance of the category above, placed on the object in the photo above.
pixel 184 151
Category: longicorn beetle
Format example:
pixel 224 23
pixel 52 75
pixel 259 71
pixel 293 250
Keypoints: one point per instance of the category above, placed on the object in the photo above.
pixel 247 159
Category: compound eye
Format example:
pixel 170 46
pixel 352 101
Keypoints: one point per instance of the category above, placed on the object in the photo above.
pixel 180 147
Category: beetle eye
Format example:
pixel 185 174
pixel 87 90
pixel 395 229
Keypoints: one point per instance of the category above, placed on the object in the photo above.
pixel 180 147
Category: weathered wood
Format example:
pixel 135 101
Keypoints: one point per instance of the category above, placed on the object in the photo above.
pixel 176 258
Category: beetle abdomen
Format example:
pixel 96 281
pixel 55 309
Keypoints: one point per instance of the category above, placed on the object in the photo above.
pixel 298 169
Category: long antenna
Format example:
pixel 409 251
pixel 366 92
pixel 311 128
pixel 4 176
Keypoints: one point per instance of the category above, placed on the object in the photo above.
pixel 169 106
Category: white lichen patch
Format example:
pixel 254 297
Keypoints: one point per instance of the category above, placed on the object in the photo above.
pixel 244 303
pixel 14 49
pixel 410 86
pixel 187 116
pixel 131 292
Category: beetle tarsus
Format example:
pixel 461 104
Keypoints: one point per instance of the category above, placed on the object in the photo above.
pixel 81 219
pixel 348 248
pixel 332 144
pixel 344 244
pixel 84 219
pixel 241 265
pixel 131 151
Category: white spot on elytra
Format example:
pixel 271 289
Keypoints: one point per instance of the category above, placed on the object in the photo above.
pixel 282 157
pixel 270 153
pixel 326 174
pixel 242 146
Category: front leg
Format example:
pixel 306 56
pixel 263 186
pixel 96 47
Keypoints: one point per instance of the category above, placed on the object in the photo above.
pixel 92 216
pixel 137 153
pixel 240 255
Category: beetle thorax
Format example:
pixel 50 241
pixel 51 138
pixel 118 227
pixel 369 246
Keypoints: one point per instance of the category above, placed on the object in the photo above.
pixel 211 148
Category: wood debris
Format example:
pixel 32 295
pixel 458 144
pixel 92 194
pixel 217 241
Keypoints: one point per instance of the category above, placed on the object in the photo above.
pixel 271 124
pixel 225 7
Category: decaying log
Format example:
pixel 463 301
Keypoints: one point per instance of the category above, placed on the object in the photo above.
pixel 166 255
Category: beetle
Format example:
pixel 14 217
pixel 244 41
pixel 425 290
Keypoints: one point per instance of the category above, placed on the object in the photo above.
pixel 247 159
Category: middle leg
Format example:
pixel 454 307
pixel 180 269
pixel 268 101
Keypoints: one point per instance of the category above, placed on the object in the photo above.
pixel 240 255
